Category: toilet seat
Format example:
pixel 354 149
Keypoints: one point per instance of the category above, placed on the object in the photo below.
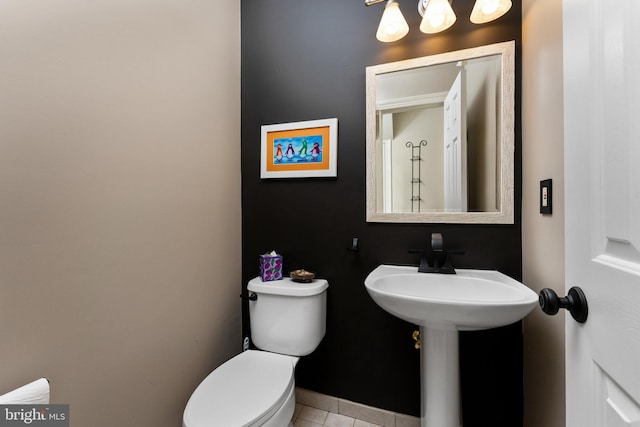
pixel 244 391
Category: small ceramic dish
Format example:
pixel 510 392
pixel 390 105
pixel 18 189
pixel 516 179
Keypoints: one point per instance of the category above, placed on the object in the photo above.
pixel 302 275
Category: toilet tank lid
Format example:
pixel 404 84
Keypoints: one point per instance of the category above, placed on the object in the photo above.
pixel 288 287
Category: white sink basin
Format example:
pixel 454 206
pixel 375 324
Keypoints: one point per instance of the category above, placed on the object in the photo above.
pixel 468 300
pixel 443 304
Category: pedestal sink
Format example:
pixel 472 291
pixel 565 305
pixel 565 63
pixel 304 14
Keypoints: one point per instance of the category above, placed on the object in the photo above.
pixel 443 304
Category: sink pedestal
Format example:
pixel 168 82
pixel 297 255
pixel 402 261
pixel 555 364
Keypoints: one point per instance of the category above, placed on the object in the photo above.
pixel 440 378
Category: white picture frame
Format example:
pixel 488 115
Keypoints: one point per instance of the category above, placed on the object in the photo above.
pixel 307 149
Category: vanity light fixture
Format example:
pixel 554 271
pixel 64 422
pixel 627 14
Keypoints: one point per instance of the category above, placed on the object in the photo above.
pixel 437 15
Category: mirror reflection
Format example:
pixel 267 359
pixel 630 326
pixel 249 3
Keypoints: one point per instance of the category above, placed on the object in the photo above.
pixel 440 138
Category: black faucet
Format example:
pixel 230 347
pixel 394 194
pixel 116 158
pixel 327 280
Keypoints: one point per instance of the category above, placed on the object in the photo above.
pixel 437 260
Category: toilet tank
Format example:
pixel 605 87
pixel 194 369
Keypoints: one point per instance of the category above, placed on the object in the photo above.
pixel 288 317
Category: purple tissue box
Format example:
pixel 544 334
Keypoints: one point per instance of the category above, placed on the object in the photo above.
pixel 270 267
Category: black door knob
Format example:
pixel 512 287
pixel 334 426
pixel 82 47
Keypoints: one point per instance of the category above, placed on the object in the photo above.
pixel 575 302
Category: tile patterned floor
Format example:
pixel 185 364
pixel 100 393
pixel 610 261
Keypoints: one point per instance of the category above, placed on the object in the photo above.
pixel 320 410
pixel 306 416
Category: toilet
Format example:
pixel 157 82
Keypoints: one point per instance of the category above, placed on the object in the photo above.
pixel 257 387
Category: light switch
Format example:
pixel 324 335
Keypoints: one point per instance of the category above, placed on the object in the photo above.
pixel 545 197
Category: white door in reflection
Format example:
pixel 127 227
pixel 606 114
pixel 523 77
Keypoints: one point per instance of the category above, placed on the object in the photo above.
pixel 455 146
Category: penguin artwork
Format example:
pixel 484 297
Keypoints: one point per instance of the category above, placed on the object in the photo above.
pixel 303 150
pixel 315 151
pixel 279 153
pixel 290 153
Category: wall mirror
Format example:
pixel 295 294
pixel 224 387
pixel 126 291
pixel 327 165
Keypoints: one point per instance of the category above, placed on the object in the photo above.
pixel 440 137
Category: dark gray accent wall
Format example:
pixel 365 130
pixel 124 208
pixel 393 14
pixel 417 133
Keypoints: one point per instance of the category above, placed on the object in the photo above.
pixel 305 60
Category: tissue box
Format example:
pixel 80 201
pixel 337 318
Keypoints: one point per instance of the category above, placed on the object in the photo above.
pixel 270 267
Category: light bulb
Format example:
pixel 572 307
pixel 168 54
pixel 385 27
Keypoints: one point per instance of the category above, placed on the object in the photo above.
pixel 437 20
pixel 490 7
pixel 488 10
pixel 392 26
pixel 438 16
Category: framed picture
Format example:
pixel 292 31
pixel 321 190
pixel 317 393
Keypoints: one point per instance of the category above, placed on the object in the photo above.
pixel 300 149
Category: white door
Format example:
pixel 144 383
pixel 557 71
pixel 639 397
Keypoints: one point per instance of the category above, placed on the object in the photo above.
pixel 602 178
pixel 386 132
pixel 455 147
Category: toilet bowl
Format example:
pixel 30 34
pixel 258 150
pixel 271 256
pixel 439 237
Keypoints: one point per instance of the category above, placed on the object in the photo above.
pixel 257 387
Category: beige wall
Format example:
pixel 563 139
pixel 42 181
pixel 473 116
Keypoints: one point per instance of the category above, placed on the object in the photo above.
pixel 414 126
pixel 543 236
pixel 483 123
pixel 119 202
